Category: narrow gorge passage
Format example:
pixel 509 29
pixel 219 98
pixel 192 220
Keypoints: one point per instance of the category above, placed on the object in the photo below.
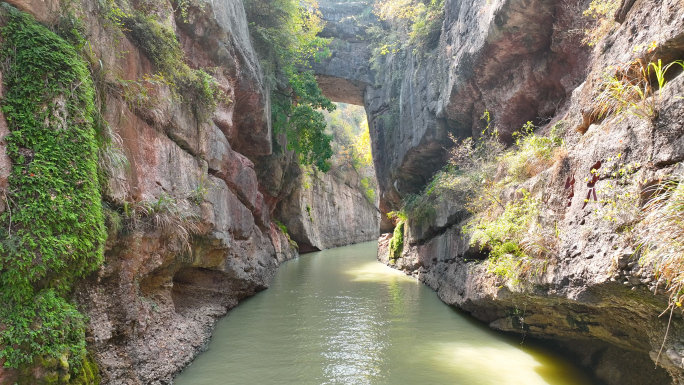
pixel 340 317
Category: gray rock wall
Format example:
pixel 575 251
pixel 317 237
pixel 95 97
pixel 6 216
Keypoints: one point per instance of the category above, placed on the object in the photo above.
pixel 344 76
pixel 329 210
pixel 525 61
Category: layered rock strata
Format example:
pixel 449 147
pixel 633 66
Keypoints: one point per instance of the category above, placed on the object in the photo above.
pixel 525 61
pixel 189 202
pixel 329 210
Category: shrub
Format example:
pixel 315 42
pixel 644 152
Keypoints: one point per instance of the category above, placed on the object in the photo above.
pixel 602 12
pixel 368 189
pixel 415 22
pixel 478 172
pixel 396 244
pixel 165 214
pixel 517 244
pixel 533 155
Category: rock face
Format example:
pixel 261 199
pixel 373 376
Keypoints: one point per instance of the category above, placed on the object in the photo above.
pixel 345 75
pixel 190 212
pixel 514 58
pixel 524 61
pixel 329 210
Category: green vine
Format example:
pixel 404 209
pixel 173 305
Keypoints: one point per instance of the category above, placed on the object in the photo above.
pixel 52 232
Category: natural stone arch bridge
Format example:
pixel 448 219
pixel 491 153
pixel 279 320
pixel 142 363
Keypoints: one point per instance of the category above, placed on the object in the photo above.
pixel 514 58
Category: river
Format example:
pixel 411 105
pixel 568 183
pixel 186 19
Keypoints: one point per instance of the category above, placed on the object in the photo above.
pixel 340 317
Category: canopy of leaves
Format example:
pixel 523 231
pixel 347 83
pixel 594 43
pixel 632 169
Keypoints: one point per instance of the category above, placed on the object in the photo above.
pixel 285 34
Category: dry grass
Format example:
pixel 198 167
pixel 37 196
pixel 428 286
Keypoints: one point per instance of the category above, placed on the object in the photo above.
pixel 634 88
pixel 661 235
pixel 164 214
pixel 661 240
pixel 623 89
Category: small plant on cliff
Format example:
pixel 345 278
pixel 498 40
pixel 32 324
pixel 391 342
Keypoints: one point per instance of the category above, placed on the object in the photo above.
pixel 618 194
pixel 396 244
pixel 634 88
pixel 602 11
pixel 53 231
pixel 283 229
pixel 517 243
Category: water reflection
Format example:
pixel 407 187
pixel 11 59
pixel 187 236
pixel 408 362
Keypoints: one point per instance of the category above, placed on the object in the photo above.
pixel 377 272
pixel 339 317
pixel 354 352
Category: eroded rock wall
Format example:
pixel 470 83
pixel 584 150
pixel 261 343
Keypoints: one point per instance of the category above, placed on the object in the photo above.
pixel 189 214
pixel 525 61
pixel 329 210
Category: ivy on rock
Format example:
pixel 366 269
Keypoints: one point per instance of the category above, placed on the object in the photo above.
pixel 53 232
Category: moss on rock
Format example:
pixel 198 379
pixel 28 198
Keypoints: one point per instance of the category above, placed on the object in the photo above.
pixel 53 233
pixel 396 245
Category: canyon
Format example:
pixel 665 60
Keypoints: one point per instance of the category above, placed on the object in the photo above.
pixel 152 304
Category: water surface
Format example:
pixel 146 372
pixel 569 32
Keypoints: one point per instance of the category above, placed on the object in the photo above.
pixel 340 317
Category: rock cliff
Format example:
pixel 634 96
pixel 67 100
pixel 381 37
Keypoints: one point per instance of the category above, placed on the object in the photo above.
pixel 188 198
pixel 526 61
pixel 329 210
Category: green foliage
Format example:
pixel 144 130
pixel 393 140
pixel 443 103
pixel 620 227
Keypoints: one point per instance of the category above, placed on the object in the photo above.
pixel 351 145
pixel 283 229
pixel 285 35
pixel 396 245
pixel 515 240
pixel 301 121
pixel 155 40
pixel 281 226
pixel 401 215
pixel 533 155
pixel 368 189
pixel 308 211
pixel 478 172
pixel 619 198
pixel 158 42
pixel 200 192
pixel 53 232
pixel 89 373
pixel 416 23
pixel 499 233
pixel 602 12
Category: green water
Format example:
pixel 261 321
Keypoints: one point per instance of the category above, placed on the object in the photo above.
pixel 340 317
